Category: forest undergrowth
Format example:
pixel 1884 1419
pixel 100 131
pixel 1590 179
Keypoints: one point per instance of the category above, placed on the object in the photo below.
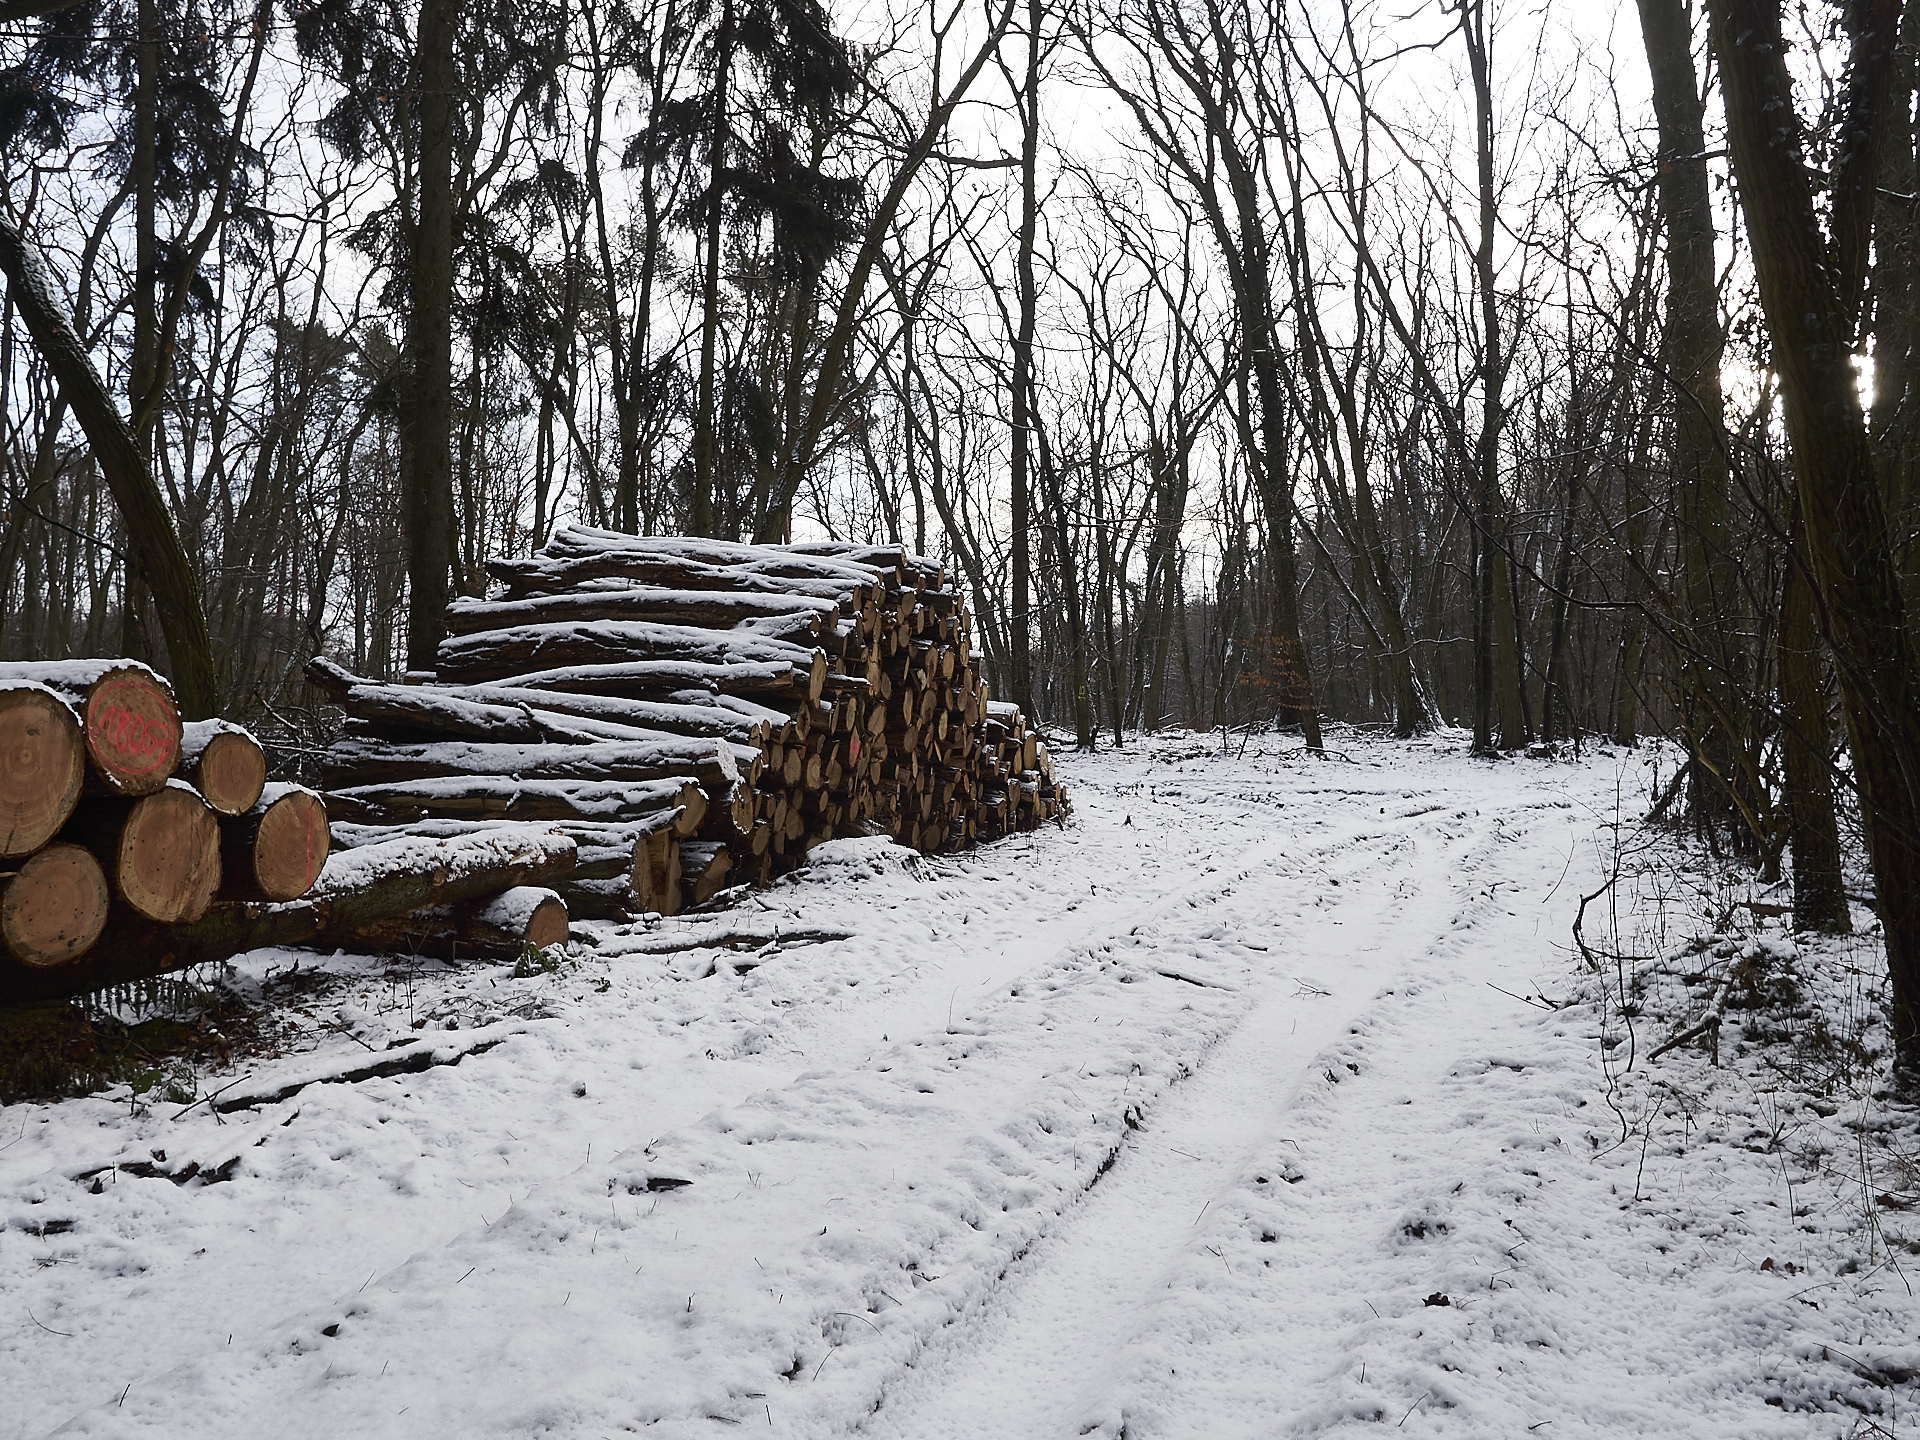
pixel 1745 1063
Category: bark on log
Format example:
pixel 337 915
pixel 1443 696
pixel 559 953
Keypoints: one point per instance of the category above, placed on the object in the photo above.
pixel 494 655
pixel 224 763
pixel 666 679
pixel 127 718
pixel 462 797
pixel 582 541
pixel 537 577
pixel 357 888
pixel 606 899
pixel 357 763
pixel 707 609
pixel 161 852
pixel 499 927
pixel 42 766
pixel 505 713
pixel 274 851
pixel 53 906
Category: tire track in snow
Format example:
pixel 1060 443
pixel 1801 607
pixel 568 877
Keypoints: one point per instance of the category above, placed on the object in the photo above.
pixel 1039 1357
pixel 885 1200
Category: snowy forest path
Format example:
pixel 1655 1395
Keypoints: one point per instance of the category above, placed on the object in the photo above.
pixel 1051 1354
pixel 929 1161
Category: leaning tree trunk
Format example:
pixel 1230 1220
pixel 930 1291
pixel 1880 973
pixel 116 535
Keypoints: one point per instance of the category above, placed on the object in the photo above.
pixel 151 538
pixel 1847 535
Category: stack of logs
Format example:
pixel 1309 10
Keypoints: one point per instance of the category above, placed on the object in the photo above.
pixel 118 823
pixel 693 714
pixel 132 845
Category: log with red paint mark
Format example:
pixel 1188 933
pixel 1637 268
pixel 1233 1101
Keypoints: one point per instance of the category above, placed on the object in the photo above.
pixel 128 721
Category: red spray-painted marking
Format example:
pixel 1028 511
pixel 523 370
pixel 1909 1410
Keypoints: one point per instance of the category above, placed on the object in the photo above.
pixel 139 746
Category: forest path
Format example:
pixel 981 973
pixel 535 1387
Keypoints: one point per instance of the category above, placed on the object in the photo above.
pixel 1073 1341
pixel 902 1220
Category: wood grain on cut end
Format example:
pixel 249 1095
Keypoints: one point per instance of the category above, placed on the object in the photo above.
pixel 548 924
pixel 290 845
pixel 167 865
pixel 54 906
pixel 42 765
pixel 225 764
pixel 132 730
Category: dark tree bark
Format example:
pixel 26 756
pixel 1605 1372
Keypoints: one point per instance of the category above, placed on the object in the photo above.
pixel 1813 834
pixel 1690 354
pixel 1023 373
pixel 704 444
pixel 427 481
pixel 1847 535
pixel 151 537
pixel 1496 668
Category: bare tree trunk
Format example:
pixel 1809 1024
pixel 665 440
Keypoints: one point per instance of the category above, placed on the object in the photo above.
pixel 704 441
pixel 1711 664
pixel 1813 834
pixel 1847 535
pixel 1493 665
pixel 1023 369
pixel 427 426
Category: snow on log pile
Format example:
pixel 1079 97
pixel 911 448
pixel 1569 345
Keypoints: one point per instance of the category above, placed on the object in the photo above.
pixel 97 833
pixel 132 845
pixel 692 714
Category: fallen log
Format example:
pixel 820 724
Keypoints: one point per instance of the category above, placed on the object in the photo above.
pixel 706 609
pixel 582 541
pixel 740 721
pixel 501 927
pixel 224 763
pixel 127 719
pixel 356 888
pixel 504 713
pixel 359 763
pixel 160 852
pixel 43 763
pixel 52 906
pixel 493 655
pixel 275 851
pixel 485 797
pixel 539 577
pixel 667 679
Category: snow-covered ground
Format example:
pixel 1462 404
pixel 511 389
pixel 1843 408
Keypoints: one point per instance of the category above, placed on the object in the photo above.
pixel 1233 1108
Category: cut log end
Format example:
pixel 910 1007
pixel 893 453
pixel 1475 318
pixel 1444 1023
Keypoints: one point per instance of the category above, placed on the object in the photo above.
pixel 546 927
pixel 132 730
pixel 168 863
pixel 230 771
pixel 290 845
pixel 54 907
pixel 42 765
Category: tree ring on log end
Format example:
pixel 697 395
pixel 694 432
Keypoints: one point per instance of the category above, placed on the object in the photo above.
pixel 133 731
pixel 168 865
pixel 547 926
pixel 42 766
pixel 55 906
pixel 291 846
pixel 232 772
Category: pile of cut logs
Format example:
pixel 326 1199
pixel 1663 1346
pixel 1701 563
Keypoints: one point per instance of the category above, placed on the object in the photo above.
pixel 630 725
pixel 118 823
pixel 132 845
pixel 693 714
